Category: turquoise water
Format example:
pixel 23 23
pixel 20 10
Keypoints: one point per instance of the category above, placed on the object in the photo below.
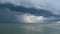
pixel 29 28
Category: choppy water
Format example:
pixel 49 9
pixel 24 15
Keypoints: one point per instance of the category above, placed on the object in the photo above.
pixel 29 28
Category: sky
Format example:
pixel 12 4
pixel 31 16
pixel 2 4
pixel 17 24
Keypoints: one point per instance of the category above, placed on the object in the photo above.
pixel 29 11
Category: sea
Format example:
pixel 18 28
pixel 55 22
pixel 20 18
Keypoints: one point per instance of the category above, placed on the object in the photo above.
pixel 29 28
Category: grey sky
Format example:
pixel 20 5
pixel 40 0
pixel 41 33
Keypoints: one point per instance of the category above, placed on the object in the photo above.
pixel 50 5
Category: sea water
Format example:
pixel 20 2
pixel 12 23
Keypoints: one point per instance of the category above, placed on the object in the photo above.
pixel 29 28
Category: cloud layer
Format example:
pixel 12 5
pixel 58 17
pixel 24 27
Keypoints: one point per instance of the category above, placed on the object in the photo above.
pixel 52 5
pixel 49 9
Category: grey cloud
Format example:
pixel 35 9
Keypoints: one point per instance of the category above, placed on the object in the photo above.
pixel 6 16
pixel 11 13
pixel 46 8
pixel 38 12
pixel 51 5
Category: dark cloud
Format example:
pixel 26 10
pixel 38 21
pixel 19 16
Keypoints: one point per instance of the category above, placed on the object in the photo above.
pixel 39 12
pixel 6 16
pixel 8 13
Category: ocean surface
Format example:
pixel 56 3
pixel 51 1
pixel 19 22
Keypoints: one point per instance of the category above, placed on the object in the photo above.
pixel 29 28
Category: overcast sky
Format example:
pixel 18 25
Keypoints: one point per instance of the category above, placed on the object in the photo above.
pixel 16 11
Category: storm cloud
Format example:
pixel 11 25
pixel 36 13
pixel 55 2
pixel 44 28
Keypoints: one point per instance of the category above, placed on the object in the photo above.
pixel 11 9
pixel 52 5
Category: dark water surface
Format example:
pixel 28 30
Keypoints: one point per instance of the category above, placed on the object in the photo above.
pixel 29 28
